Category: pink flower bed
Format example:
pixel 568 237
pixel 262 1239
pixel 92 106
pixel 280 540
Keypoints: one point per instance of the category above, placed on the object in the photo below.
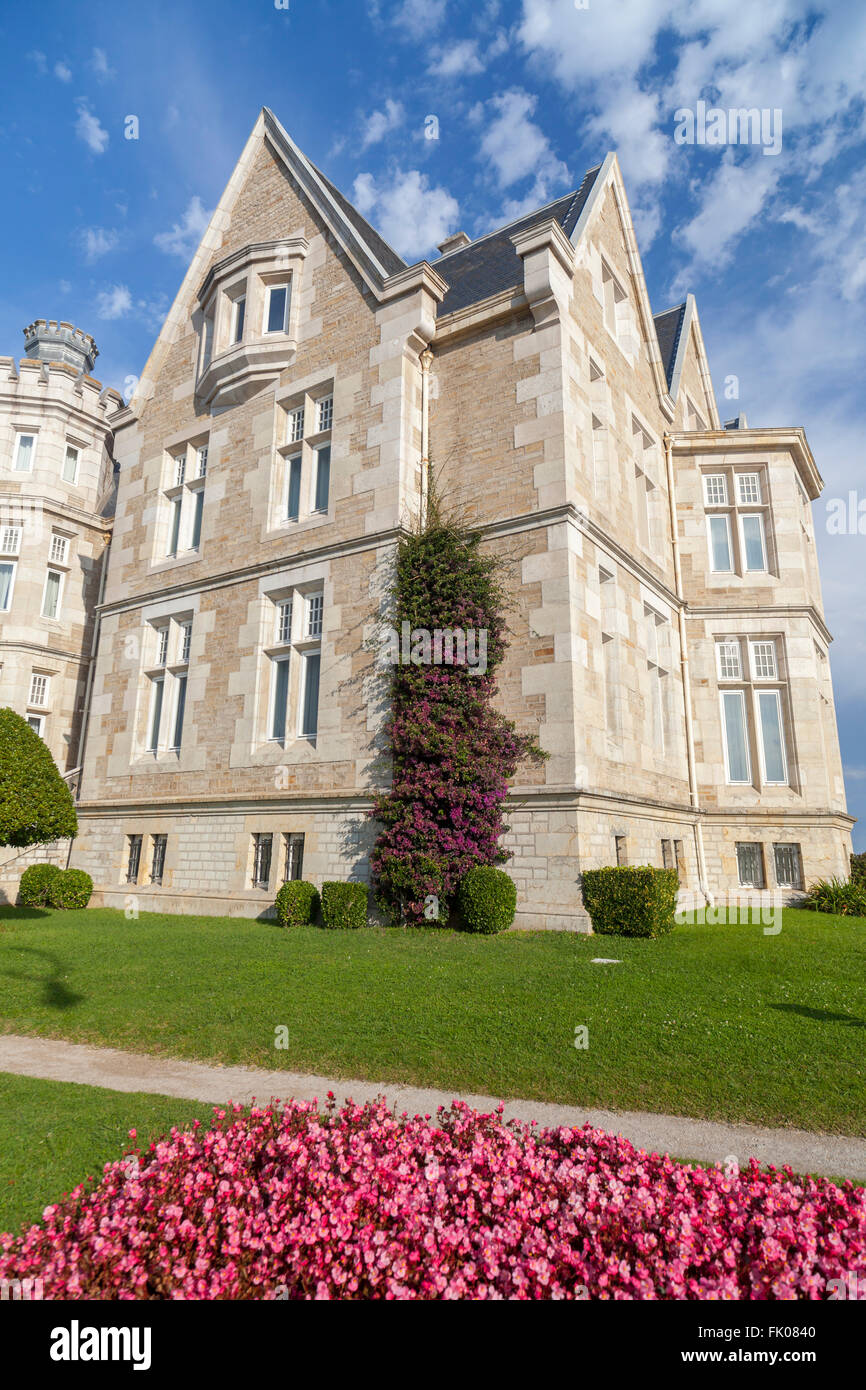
pixel 285 1202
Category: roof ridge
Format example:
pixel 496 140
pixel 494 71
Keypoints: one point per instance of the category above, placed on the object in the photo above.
pixel 496 231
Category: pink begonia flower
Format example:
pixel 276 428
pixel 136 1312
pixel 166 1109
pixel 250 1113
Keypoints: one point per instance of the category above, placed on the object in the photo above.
pixel 357 1202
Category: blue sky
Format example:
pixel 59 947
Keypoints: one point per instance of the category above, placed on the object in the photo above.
pixel 526 95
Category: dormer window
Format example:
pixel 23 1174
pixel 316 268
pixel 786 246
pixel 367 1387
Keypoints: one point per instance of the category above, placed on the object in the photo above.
pixel 248 323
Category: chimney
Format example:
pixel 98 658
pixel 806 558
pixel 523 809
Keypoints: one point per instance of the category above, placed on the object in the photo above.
pixel 50 341
pixel 455 242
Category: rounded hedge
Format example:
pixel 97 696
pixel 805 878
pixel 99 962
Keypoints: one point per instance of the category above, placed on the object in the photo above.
pixel 344 905
pixel 297 903
pixel 35 885
pixel 36 805
pixel 71 888
pixel 486 900
pixel 631 900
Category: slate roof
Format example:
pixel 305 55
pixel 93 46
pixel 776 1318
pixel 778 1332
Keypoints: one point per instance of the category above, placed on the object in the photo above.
pixel 491 264
pixel 668 328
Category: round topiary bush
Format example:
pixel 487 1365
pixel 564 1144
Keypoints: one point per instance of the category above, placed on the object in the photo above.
pixel 297 903
pixel 35 885
pixel 344 905
pixel 486 900
pixel 71 888
pixel 35 803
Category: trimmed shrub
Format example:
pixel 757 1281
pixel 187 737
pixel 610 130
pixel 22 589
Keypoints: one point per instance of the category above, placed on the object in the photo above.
pixel 838 896
pixel 631 900
pixel 71 888
pixel 486 900
pixel 297 903
pixel 344 905
pixel 35 803
pixel 35 886
pixel 858 869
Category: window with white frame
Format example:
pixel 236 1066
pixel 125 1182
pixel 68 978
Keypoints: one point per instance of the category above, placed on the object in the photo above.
pixel 10 540
pixel 239 313
pixel 183 498
pixel 295 425
pixel 59 552
pixel 37 723
pixel 168 645
pixel 25 452
pixel 737 521
pixel 40 687
pixel 70 464
pixel 277 306
pixel 293 654
pixel 324 414
pixel 764 665
pixel 52 594
pixel 729 661
pixel 7 584
pixel 304 459
pixel 749 489
pixel 753 702
pixel 715 489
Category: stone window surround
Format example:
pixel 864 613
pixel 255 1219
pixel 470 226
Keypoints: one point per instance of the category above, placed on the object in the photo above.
pixel 748 684
pixel 154 618
pixel 169 489
pixel 236 369
pixel 300 643
pixel 307 399
pixel 147 833
pixel 734 510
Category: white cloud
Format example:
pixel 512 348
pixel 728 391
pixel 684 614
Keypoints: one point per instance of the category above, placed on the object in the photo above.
pixel 378 125
pixel 97 241
pixel 458 60
pixel 420 17
pixel 733 198
pixel 40 61
pixel 63 72
pixel 185 235
pixel 88 129
pixel 114 302
pixel 412 216
pixel 99 64
pixel 64 287
pixel 515 148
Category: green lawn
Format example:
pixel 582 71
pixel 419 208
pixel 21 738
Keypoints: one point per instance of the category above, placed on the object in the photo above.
pixel 721 1022
pixel 54 1134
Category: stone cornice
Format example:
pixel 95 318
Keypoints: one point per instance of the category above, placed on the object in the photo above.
pixel 773 440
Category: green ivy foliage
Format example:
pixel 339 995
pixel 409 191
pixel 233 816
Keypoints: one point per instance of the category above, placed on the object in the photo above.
pixel 452 752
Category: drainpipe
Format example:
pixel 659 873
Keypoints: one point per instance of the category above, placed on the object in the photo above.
pixel 684 671
pixel 426 363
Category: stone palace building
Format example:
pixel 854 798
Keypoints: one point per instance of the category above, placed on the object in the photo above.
pixel 214 689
